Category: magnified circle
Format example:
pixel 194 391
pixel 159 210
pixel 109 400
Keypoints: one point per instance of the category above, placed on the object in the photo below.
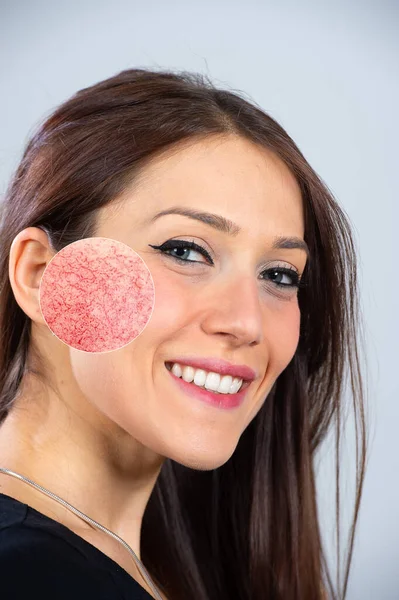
pixel 96 295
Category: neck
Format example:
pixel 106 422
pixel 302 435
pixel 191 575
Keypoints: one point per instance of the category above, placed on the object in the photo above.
pixel 65 452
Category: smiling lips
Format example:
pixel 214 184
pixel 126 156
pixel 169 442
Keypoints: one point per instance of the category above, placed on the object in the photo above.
pixel 216 365
pixel 213 398
pixel 217 400
pixel 211 381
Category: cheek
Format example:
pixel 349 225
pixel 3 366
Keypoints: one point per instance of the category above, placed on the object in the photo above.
pixel 283 336
pixel 111 388
pixel 173 304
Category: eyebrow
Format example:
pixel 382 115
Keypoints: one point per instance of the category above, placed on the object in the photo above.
pixel 226 226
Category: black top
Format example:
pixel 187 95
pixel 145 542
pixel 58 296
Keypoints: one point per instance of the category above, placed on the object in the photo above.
pixel 41 558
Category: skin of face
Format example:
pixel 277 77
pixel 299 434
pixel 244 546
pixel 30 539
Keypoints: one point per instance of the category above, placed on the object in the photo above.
pixel 101 440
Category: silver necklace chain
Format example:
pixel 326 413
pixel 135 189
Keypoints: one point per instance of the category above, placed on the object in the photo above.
pixel 79 513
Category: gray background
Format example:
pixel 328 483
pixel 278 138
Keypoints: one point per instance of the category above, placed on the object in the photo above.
pixel 327 71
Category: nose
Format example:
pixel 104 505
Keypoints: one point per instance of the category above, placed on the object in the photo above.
pixel 235 310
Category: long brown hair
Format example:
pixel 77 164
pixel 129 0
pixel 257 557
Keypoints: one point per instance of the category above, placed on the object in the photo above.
pixel 250 528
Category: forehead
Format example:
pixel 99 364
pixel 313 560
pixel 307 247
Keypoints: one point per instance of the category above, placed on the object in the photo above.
pixel 230 176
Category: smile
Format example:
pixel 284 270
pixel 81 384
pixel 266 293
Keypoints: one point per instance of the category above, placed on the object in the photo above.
pixel 211 397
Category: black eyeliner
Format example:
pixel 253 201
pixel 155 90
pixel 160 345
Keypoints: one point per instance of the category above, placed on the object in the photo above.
pixel 171 244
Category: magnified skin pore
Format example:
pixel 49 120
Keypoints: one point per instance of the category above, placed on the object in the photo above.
pixel 98 435
pixel 96 295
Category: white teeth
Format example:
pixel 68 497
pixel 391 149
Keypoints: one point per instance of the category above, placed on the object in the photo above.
pixel 210 380
pixel 199 377
pixel 188 374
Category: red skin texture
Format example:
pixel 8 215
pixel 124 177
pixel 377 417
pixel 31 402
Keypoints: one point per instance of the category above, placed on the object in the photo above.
pixel 96 295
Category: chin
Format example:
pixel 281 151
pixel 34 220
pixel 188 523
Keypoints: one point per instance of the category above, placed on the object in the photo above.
pixel 205 461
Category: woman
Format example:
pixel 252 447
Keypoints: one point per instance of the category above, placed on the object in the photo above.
pixel 253 264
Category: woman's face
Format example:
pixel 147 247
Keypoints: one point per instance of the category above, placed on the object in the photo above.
pixel 230 307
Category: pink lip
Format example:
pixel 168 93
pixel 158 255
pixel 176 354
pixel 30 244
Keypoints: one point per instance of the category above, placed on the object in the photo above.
pixel 225 401
pixel 217 365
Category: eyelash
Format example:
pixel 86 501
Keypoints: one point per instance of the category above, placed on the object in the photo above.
pixel 172 244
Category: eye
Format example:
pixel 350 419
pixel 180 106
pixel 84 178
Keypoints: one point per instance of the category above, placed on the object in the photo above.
pixel 282 273
pixel 183 245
